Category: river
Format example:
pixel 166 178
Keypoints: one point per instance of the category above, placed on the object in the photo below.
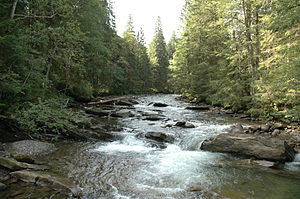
pixel 134 168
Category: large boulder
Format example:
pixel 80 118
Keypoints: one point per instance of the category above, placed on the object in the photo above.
pixel 260 147
pixel 293 139
pixel 30 147
pixel 48 180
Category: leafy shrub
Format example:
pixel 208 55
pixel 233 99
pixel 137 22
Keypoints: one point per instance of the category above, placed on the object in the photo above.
pixel 82 90
pixel 48 117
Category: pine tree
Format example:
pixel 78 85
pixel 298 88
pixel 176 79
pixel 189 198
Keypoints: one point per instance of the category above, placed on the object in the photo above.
pixel 171 46
pixel 159 58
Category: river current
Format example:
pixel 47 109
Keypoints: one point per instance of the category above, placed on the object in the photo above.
pixel 132 168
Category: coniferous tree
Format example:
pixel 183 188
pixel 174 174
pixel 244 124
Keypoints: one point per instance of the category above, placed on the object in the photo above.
pixel 171 46
pixel 159 58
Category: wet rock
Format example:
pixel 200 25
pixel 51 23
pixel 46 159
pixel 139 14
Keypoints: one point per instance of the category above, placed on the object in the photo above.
pixel 49 180
pixel 123 103
pixel 30 147
pixel 4 174
pixel 103 113
pixel 125 114
pixel 189 126
pixel 14 165
pixel 265 128
pixel 237 129
pixel 260 147
pixel 23 158
pixel 293 139
pixel 279 126
pixel 180 124
pixel 276 132
pixel 265 163
pixel 160 137
pixel 199 108
pixel 196 188
pixel 255 164
pixel 184 124
pixel 168 126
pixel 153 118
pixel 2 186
pixel 158 104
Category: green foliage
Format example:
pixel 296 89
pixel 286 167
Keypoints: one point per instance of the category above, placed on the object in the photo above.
pixel 159 59
pixel 241 54
pixel 64 47
pixel 82 90
pixel 47 117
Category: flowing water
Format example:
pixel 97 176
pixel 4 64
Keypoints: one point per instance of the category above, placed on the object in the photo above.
pixel 133 168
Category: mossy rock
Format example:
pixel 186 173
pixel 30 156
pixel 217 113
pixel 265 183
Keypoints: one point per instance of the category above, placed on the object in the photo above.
pixel 23 158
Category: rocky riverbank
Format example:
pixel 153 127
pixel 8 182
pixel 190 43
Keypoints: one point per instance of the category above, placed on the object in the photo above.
pixel 20 168
pixel 268 145
pixel 265 142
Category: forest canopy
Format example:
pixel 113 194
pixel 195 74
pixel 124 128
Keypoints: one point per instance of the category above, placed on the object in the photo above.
pixel 238 54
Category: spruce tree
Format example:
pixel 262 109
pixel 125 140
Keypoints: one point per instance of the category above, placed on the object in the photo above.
pixel 159 59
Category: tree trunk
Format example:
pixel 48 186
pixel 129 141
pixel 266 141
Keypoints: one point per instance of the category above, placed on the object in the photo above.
pixel 13 9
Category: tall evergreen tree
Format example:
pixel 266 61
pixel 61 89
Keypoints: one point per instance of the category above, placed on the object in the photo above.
pixel 159 58
pixel 171 46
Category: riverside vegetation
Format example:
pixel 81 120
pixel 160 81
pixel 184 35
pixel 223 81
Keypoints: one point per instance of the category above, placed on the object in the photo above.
pixel 240 55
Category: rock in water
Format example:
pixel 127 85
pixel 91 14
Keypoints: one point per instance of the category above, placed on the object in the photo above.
pixel 161 137
pixel 180 124
pixel 49 180
pixel 14 165
pixel 158 104
pixel 260 147
pixel 184 124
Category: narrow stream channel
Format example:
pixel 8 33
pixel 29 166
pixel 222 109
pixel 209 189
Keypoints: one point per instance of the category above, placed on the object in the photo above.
pixel 133 168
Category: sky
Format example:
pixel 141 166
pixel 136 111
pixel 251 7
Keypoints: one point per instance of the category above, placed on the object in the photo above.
pixel 145 13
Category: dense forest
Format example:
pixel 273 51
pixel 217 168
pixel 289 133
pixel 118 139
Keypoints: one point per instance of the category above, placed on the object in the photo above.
pixel 238 54
pixel 241 54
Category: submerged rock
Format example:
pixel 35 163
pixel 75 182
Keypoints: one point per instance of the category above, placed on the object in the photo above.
pixel 260 147
pixel 49 180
